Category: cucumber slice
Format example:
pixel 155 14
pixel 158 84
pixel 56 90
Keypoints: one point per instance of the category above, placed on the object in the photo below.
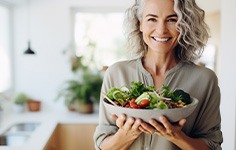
pixel 143 96
pixel 139 100
pixel 124 89
pixel 117 95
pixel 161 105
pixel 120 95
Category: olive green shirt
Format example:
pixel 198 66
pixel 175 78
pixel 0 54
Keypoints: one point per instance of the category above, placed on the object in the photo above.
pixel 199 82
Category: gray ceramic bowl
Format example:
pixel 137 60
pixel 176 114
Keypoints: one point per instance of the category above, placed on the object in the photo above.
pixel 173 115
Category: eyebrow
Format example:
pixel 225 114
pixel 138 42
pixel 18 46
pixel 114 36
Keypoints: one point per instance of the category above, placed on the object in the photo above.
pixel 152 15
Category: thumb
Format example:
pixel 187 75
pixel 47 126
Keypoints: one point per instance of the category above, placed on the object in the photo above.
pixel 114 117
pixel 182 122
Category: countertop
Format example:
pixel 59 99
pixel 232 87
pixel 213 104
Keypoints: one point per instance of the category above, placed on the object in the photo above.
pixel 48 121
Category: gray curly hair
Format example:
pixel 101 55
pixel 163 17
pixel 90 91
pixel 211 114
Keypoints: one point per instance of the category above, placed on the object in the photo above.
pixel 191 25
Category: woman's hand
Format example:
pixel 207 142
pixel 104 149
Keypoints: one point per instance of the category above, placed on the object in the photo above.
pixel 129 127
pixel 165 128
pixel 173 133
pixel 129 130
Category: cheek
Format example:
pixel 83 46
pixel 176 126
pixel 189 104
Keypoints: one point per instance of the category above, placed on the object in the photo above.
pixel 175 33
pixel 173 30
pixel 145 27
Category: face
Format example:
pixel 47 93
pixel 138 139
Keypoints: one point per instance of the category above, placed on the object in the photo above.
pixel 158 25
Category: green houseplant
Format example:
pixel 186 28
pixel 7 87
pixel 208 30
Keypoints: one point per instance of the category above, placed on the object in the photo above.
pixel 20 98
pixel 19 101
pixel 80 95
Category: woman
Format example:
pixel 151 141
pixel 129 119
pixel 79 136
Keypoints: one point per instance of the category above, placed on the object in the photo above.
pixel 167 36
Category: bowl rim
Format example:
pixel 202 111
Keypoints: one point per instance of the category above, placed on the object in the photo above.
pixel 194 102
pixel 173 115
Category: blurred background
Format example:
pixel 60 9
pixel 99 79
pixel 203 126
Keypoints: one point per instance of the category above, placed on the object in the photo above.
pixel 60 31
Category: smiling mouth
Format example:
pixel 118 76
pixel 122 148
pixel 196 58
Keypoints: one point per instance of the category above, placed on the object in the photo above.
pixel 160 39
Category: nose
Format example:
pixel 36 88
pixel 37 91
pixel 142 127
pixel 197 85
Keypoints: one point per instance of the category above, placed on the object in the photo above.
pixel 161 28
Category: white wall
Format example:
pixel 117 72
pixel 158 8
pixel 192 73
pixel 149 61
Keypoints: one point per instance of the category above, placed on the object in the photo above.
pixel 228 72
pixel 42 74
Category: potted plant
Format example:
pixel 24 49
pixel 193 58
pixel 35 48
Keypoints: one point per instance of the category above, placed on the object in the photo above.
pixel 19 101
pixel 81 95
pixel 90 88
pixel 33 105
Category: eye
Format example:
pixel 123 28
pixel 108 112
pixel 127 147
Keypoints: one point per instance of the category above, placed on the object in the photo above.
pixel 172 20
pixel 152 19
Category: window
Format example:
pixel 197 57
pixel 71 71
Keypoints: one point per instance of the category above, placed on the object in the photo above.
pixel 99 37
pixel 5 69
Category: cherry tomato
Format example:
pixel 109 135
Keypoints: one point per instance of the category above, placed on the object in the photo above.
pixel 144 103
pixel 127 105
pixel 123 103
pixel 133 104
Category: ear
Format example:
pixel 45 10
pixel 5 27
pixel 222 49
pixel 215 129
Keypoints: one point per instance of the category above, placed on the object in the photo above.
pixel 140 26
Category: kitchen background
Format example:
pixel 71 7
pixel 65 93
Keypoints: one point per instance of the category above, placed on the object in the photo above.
pixel 53 26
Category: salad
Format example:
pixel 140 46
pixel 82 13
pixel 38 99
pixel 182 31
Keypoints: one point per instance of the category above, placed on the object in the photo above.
pixel 147 97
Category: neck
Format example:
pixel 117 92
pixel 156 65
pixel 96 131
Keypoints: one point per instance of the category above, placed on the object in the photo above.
pixel 159 64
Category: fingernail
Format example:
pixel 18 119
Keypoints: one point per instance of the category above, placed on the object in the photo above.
pixel 151 121
pixel 161 118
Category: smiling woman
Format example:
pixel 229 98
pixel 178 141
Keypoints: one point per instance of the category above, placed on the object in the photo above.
pixel 167 36
pixel 5 72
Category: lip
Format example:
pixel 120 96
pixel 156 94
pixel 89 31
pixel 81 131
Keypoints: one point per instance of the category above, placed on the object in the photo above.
pixel 160 39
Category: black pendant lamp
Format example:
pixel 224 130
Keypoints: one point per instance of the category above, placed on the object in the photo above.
pixel 29 50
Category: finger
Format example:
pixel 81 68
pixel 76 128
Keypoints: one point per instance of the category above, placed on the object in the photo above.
pixel 128 124
pixel 143 130
pixel 148 127
pixel 157 125
pixel 121 121
pixel 136 124
pixel 166 124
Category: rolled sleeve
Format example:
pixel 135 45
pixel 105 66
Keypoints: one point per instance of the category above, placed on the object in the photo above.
pixel 102 132
pixel 213 139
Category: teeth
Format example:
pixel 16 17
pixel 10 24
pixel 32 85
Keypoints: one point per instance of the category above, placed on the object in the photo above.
pixel 160 39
